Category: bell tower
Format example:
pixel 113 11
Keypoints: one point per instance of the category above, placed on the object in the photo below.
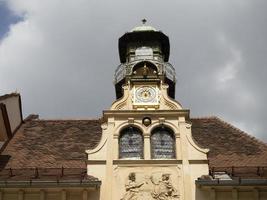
pixel 144 55
pixel 146 139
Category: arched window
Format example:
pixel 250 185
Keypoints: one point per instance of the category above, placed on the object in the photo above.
pixel 131 143
pixel 162 143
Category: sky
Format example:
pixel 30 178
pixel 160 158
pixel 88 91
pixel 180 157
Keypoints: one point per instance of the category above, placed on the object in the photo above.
pixel 61 55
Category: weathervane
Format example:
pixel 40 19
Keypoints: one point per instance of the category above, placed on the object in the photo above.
pixel 144 21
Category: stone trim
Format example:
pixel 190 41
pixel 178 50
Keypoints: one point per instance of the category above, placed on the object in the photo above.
pixel 198 161
pixel 150 162
pixel 96 162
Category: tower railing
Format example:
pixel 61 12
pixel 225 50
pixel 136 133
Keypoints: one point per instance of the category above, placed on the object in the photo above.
pixel 166 69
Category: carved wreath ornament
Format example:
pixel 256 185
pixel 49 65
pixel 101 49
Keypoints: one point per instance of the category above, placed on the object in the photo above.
pixel 160 189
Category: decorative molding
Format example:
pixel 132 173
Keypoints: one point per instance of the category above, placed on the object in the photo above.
pixel 188 125
pixel 131 120
pixel 161 120
pixel 198 161
pixel 191 141
pixel 149 162
pixel 155 185
pixel 121 103
pixel 104 126
pixel 126 124
pixel 170 104
pixel 96 162
pixel 99 146
pixel 136 113
pixel 166 123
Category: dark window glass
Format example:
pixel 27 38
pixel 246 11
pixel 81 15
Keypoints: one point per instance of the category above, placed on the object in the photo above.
pixel 162 143
pixel 131 143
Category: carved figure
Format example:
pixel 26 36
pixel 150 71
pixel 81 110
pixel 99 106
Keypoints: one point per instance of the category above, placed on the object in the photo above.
pixel 145 70
pixel 132 188
pixel 164 189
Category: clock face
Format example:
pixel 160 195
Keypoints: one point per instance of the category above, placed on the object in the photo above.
pixel 146 94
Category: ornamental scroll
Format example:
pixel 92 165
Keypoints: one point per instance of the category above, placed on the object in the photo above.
pixel 153 187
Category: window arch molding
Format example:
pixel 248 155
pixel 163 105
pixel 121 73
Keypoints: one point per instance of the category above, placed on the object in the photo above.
pixel 162 142
pixel 124 125
pixel 166 124
pixel 131 143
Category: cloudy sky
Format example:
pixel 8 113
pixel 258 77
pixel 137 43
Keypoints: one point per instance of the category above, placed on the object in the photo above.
pixel 61 55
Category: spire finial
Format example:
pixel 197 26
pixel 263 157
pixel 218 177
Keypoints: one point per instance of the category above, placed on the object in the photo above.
pixel 144 21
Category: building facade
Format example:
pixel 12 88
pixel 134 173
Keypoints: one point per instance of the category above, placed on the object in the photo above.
pixel 145 146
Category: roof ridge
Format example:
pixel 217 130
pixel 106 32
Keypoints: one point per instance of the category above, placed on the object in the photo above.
pixel 205 117
pixel 240 131
pixel 12 94
pixel 34 117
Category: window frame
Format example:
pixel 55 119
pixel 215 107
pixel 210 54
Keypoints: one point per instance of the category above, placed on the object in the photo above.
pixel 171 133
pixel 123 132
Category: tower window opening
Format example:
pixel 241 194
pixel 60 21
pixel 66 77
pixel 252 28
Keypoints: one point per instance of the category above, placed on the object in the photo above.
pixel 145 69
pixel 144 53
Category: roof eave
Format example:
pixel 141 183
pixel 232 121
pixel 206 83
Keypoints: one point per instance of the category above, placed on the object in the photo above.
pixel 50 183
pixel 233 182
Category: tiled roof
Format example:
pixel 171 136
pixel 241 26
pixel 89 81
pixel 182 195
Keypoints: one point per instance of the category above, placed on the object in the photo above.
pixel 228 145
pixel 57 143
pixel 52 144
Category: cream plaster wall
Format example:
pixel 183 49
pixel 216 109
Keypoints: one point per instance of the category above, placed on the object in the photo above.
pixel 196 170
pixel 104 162
pixel 49 194
pixel 232 193
pixel 13 110
pixel 223 196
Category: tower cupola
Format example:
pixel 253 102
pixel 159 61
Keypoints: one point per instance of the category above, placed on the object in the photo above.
pixel 144 55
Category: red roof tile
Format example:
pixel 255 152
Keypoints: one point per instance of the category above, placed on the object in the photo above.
pixel 228 145
pixel 57 143
pixel 52 143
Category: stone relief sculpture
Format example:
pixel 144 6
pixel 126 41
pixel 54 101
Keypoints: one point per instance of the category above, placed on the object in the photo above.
pixel 153 187
pixel 164 190
pixel 132 188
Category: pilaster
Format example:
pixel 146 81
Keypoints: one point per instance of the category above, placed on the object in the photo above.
pixel 212 194
pixel 42 195
pixel 109 161
pixel 234 194
pixel 256 194
pixel 185 166
pixel 63 195
pixel 84 194
pixel 20 194
pixel 147 153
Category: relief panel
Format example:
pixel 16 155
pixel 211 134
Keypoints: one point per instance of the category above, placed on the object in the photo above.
pixel 149 183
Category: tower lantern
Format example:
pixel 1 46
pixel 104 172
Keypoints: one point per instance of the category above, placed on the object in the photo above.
pixel 144 55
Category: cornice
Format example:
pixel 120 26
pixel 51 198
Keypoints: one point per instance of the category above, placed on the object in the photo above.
pixel 140 113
